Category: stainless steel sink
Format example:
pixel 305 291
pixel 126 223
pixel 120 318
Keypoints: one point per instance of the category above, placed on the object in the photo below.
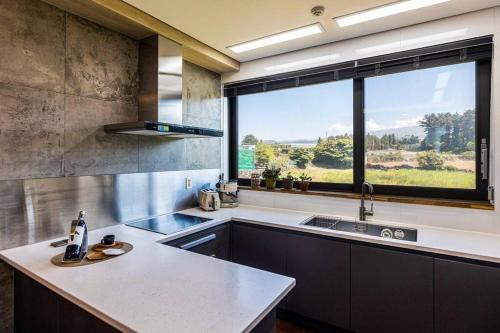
pixel 384 231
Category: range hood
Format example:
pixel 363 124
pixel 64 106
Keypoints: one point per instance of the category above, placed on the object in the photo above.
pixel 160 94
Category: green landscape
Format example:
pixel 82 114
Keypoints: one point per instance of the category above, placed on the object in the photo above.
pixel 443 156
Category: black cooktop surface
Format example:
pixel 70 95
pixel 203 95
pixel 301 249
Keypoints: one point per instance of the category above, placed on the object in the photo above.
pixel 169 223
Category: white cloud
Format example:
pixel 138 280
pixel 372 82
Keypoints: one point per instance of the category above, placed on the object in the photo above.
pixel 371 125
pixel 407 122
pixel 340 128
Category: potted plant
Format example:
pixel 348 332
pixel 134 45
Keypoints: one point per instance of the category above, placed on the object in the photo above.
pixel 270 175
pixel 288 181
pixel 304 181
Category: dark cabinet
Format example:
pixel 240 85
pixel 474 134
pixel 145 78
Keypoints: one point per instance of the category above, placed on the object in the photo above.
pixel 259 247
pixel 321 269
pixel 467 297
pixel 35 307
pixel 212 242
pixel 391 291
pixel 38 309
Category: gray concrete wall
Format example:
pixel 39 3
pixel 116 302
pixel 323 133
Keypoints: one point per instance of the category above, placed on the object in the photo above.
pixel 62 78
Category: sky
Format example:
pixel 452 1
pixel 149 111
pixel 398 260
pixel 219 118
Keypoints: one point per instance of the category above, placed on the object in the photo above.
pixel 391 101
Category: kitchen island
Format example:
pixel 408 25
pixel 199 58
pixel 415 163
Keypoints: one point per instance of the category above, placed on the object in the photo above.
pixel 156 288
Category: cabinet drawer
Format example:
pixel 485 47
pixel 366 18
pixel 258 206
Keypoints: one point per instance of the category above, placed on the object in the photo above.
pixel 212 242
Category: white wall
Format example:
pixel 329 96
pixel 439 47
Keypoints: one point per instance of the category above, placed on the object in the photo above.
pixel 475 24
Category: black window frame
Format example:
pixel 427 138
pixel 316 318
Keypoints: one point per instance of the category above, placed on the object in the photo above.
pixel 478 50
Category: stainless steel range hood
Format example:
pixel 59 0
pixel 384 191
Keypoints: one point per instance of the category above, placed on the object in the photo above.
pixel 160 94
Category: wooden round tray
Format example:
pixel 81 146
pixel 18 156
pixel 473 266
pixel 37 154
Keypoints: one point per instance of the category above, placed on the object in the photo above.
pixel 94 255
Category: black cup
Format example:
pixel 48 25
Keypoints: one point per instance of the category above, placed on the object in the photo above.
pixel 108 240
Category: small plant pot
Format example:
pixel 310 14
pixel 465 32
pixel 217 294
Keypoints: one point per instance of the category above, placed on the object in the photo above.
pixel 304 186
pixel 288 184
pixel 270 183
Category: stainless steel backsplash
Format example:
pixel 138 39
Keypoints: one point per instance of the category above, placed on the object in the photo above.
pixel 34 210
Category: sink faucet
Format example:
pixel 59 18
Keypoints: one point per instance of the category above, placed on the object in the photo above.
pixel 363 212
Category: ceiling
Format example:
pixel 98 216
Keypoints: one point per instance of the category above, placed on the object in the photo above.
pixel 222 23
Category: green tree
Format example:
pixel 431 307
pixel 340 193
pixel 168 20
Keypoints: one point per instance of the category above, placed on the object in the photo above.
pixel 264 153
pixel 430 160
pixel 449 132
pixel 334 153
pixel 301 157
pixel 249 139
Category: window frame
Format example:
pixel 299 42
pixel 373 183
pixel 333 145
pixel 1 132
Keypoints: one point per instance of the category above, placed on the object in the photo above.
pixel 475 50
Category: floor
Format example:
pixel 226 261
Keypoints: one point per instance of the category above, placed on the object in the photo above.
pixel 283 326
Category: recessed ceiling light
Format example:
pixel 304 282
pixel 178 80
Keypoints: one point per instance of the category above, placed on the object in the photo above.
pixel 383 11
pixel 277 38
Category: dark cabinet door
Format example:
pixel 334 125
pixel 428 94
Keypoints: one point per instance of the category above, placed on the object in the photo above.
pixel 39 309
pixel 391 291
pixel 258 247
pixel 321 269
pixel 35 306
pixel 74 319
pixel 212 242
pixel 467 297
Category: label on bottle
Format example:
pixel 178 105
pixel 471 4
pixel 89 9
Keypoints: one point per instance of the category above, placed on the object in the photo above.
pixel 77 238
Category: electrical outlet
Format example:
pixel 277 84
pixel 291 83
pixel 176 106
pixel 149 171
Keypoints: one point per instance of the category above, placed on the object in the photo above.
pixel 189 183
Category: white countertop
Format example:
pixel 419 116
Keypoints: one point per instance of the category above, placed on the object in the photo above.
pixel 466 244
pixel 157 288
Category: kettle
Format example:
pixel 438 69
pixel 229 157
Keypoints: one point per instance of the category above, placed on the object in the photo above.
pixel 209 199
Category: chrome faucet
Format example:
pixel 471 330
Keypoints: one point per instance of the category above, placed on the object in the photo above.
pixel 363 212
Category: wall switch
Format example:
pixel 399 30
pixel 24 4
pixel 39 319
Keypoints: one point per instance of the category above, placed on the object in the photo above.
pixel 189 183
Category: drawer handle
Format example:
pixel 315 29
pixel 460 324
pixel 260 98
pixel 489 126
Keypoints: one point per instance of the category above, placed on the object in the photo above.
pixel 197 242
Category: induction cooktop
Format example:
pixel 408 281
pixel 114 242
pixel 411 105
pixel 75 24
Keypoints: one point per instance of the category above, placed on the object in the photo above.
pixel 169 223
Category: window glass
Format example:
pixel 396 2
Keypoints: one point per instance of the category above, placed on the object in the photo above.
pixel 306 129
pixel 420 128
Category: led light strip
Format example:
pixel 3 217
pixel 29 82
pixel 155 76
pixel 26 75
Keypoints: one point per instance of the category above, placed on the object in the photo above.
pixel 383 11
pixel 278 38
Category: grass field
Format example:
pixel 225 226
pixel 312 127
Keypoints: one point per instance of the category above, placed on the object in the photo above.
pixel 411 177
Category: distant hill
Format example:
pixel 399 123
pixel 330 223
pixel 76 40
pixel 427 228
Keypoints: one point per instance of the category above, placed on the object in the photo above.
pixel 304 141
pixel 401 132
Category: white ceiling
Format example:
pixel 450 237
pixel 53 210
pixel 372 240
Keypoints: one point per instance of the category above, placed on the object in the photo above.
pixel 222 23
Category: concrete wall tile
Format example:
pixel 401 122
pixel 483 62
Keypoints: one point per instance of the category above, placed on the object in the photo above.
pixel 202 97
pixel 32 44
pixel 90 151
pixel 161 154
pixel 31 132
pixel 203 153
pixel 100 63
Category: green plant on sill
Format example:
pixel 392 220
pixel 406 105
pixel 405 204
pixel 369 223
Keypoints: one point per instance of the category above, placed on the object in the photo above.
pixel 288 181
pixel 271 174
pixel 304 177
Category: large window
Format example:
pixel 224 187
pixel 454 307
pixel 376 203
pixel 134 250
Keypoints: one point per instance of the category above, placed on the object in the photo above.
pixel 414 123
pixel 307 129
pixel 422 133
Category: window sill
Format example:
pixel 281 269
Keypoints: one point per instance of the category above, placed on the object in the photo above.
pixel 484 205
